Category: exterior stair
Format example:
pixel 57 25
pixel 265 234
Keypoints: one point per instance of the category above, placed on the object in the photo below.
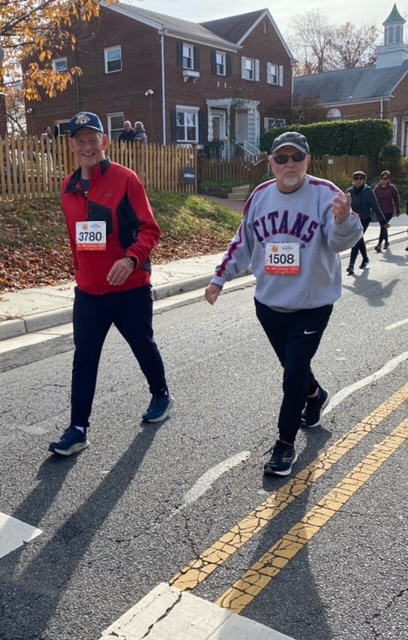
pixel 239 193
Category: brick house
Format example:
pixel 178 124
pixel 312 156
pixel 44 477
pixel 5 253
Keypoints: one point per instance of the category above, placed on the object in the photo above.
pixel 377 91
pixel 226 80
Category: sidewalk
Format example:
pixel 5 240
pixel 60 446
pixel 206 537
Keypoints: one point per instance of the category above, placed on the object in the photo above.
pixel 32 310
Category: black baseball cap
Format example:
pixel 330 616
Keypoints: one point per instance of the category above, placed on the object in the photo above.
pixel 292 138
pixel 85 120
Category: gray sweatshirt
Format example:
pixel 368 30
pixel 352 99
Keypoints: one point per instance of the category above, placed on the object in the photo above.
pixel 302 221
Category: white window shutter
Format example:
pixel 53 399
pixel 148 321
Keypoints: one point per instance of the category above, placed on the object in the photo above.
pixel 268 72
pixel 257 70
pixel 280 75
pixel 243 69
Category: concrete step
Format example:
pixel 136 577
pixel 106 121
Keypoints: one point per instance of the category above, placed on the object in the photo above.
pixel 238 196
pixel 239 193
pixel 243 188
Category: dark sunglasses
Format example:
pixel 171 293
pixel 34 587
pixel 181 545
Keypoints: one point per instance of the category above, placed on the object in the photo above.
pixel 283 159
pixel 358 178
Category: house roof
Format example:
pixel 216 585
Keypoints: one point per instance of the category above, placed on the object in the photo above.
pixel 233 28
pixel 351 85
pixel 237 28
pixel 173 26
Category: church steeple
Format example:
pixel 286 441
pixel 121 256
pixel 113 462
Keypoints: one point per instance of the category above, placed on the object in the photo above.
pixel 394 51
pixel 394 27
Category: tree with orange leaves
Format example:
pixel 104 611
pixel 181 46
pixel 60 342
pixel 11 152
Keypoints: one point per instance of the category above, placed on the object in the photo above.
pixel 33 32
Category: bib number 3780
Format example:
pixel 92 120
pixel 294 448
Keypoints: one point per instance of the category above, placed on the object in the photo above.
pixel 91 236
pixel 282 258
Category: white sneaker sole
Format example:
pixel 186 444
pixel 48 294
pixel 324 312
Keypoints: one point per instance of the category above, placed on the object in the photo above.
pixel 269 472
pixel 76 448
pixel 163 415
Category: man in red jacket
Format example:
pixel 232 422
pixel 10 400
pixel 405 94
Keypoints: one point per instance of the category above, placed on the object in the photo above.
pixel 112 231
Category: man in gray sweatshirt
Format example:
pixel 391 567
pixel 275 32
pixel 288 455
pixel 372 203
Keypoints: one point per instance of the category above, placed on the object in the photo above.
pixel 293 229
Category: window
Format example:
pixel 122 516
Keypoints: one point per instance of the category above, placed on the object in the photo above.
pixel 113 59
pixel 275 74
pixel 334 114
pixel 60 64
pixel 271 123
pixel 220 66
pixel 188 56
pixel 115 125
pixel 220 63
pixel 62 127
pixel 250 69
pixel 187 124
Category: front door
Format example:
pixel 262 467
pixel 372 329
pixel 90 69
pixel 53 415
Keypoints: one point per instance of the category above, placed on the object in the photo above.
pixel 219 129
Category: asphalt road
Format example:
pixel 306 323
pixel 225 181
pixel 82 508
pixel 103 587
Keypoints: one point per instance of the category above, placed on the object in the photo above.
pixel 142 502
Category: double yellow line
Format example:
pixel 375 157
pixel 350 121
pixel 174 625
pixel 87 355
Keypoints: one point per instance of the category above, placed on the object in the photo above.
pixel 241 594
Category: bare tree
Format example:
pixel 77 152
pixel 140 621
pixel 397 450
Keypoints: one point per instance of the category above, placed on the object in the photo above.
pixel 310 38
pixel 320 46
pixel 354 46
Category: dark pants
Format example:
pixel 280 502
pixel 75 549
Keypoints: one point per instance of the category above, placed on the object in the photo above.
pixel 295 338
pixel 360 245
pixel 383 230
pixel 132 313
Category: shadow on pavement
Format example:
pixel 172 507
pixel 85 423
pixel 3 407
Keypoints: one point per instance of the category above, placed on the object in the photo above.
pixel 29 602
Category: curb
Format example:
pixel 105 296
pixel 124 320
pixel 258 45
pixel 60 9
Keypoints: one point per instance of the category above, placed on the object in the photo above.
pixel 49 319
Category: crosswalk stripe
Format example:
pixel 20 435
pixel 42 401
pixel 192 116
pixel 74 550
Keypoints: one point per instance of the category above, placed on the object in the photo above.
pixel 14 533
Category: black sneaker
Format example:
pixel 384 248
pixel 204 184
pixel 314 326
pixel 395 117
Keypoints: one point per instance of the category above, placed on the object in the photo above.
pixel 312 413
pixel 378 248
pixel 282 459
pixel 158 408
pixel 350 270
pixel 364 263
pixel 386 245
pixel 72 441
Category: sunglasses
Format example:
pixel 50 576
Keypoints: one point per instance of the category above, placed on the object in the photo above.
pixel 283 159
pixel 358 178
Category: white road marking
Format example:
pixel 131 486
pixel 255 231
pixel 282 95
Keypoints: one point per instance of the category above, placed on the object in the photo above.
pixel 206 481
pixel 347 391
pixel 14 533
pixel 396 324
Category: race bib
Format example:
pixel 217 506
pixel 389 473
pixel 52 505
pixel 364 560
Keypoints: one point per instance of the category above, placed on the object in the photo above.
pixel 282 258
pixel 91 236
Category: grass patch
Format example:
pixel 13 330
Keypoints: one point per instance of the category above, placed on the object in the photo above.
pixel 35 249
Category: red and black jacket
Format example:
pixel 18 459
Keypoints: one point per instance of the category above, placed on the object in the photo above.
pixel 117 196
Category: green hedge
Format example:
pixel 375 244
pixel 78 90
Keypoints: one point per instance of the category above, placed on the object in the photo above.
pixel 338 138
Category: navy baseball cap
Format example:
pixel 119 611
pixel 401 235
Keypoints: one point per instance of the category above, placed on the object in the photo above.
pixel 293 139
pixel 85 120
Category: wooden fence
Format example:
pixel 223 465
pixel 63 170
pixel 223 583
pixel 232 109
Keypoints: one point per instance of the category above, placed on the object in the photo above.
pixel 35 168
pixel 331 166
pixel 236 170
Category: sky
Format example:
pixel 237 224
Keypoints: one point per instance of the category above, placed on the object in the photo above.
pixel 359 12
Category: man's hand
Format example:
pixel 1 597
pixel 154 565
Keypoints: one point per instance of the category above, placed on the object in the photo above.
pixel 341 207
pixel 120 272
pixel 212 292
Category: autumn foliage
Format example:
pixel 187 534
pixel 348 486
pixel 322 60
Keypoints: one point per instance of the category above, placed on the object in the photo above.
pixel 33 32
pixel 34 247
